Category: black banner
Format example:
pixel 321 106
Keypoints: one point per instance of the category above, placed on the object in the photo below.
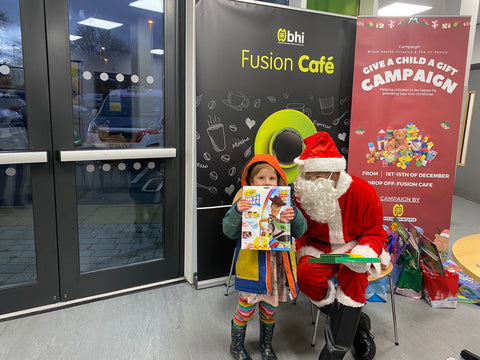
pixel 253 61
pixel 267 78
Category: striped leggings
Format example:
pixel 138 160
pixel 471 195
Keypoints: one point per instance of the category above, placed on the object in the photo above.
pixel 245 313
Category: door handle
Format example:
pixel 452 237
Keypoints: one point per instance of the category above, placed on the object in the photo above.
pixel 116 154
pixel 24 157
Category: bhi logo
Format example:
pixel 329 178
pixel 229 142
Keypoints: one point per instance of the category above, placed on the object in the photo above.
pixel 290 37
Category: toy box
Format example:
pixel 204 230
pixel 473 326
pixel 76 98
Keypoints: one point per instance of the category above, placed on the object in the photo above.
pixel 262 225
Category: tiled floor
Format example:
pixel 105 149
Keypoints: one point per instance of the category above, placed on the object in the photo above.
pixel 180 322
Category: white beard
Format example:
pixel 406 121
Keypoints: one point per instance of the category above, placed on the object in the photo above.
pixel 319 198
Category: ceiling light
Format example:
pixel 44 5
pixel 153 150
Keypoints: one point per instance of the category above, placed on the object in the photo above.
pixel 152 5
pixel 401 9
pixel 99 23
pixel 74 37
pixel 157 51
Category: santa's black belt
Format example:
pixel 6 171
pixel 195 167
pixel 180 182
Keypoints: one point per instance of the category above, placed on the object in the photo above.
pixel 321 241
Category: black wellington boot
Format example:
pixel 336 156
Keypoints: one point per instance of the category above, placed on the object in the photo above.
pixel 363 344
pixel 237 348
pixel 266 336
pixel 340 328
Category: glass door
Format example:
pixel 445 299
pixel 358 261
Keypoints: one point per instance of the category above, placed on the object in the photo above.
pixel 90 145
pixel 28 241
pixel 116 138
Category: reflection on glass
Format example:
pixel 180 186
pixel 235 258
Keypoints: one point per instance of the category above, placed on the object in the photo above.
pixel 17 242
pixel 13 114
pixel 117 67
pixel 120 212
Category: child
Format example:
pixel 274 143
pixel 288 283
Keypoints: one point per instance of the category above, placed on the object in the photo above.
pixel 261 276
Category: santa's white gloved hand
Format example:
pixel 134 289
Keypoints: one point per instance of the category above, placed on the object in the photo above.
pixel 365 251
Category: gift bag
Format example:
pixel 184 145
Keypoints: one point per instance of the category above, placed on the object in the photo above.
pixel 410 282
pixel 468 289
pixel 411 277
pixel 440 291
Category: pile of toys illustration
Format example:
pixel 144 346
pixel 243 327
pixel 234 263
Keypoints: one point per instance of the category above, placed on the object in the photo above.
pixel 402 147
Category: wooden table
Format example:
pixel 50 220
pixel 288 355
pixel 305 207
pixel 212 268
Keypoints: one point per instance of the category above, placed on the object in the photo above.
pixel 466 253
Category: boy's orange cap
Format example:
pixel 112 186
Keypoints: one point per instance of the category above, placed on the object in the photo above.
pixel 267 158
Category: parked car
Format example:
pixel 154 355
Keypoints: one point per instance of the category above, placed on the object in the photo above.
pixel 12 110
pixel 92 100
pixel 128 118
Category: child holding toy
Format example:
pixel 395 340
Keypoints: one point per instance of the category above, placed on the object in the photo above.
pixel 272 270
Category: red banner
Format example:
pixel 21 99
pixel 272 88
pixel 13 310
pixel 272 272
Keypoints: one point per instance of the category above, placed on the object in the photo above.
pixel 408 86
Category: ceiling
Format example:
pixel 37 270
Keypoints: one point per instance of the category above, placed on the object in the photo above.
pixel 439 7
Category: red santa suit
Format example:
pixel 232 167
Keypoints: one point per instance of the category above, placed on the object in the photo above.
pixel 342 217
pixel 357 225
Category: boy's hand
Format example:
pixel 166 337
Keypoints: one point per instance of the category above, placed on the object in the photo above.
pixel 243 204
pixel 288 214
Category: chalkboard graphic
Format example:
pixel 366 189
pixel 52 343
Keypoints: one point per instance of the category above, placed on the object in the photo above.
pixel 326 105
pixel 207 156
pixel 230 189
pixel 225 158
pixel 198 100
pixel 342 136
pixel 345 100
pixel 257 103
pixel 236 100
pixel 216 133
pixel 300 107
pixel 212 189
pixel 272 99
pixel 232 171
pixel 213 175
pixel 233 127
pixel 338 119
pixel 250 123
pixel 320 124
pixel 212 104
pixel 247 153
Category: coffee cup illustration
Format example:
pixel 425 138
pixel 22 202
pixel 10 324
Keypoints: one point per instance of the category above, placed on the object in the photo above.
pixel 236 100
pixel 300 107
pixel 326 105
pixel 216 133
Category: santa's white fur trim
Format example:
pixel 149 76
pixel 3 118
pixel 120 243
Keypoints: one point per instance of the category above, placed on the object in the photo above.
pixel 324 164
pixel 346 300
pixel 329 298
pixel 335 227
pixel 343 183
pixel 308 251
pixel 343 248
pixel 385 258
pixel 367 251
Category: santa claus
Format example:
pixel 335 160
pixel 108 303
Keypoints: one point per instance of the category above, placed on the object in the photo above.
pixel 344 215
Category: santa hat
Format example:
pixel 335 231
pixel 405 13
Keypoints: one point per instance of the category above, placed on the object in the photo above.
pixel 320 154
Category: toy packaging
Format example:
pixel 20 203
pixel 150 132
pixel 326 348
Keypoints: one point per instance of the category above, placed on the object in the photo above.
pixel 263 227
